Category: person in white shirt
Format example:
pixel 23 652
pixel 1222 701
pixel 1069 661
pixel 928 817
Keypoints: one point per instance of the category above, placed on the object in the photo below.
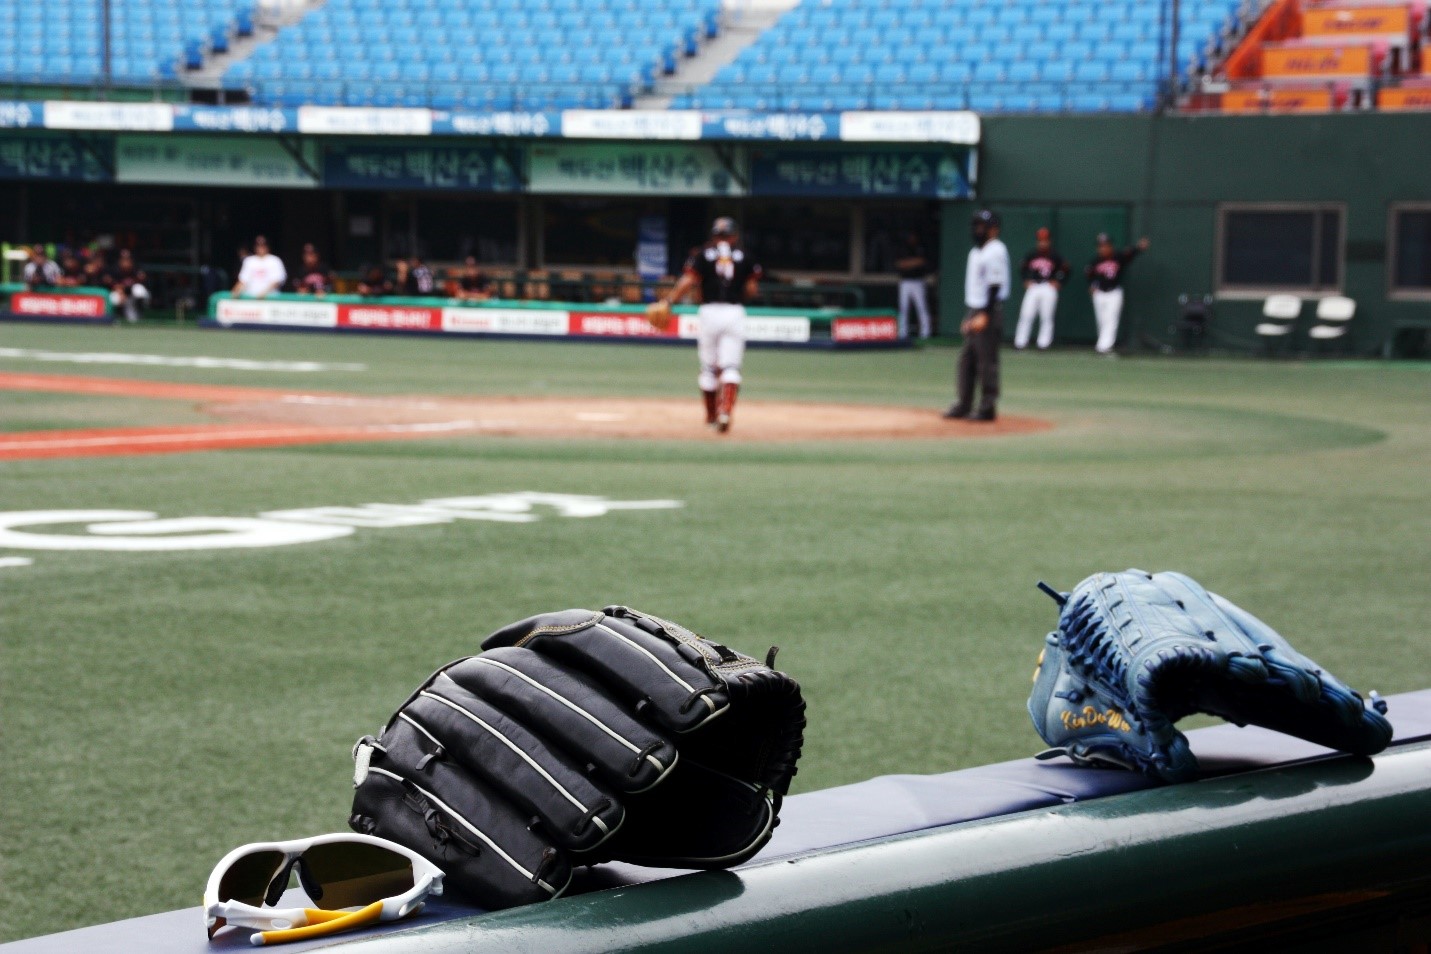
pixel 262 272
pixel 986 287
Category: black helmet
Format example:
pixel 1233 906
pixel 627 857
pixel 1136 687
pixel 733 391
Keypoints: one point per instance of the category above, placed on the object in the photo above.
pixel 725 225
pixel 986 218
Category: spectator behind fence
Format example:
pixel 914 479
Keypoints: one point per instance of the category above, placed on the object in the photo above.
pixel 422 281
pixel 262 272
pixel 92 272
pixel 472 285
pixel 41 271
pixel 314 277
pixel 71 270
pixel 127 290
pixel 375 283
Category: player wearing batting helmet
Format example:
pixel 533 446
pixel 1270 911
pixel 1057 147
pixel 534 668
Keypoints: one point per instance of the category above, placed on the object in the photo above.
pixel 727 277
pixel 986 286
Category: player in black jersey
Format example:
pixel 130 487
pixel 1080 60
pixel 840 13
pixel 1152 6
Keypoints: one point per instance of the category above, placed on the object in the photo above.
pixel 727 277
pixel 1105 284
pixel 1044 272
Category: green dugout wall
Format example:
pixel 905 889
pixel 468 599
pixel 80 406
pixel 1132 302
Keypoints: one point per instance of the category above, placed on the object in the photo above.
pixel 1166 177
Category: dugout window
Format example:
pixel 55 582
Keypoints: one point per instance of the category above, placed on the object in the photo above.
pixel 883 230
pixel 1409 255
pixel 593 231
pixel 1280 248
pixel 799 236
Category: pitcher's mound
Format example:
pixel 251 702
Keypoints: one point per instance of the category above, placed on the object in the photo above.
pixel 666 419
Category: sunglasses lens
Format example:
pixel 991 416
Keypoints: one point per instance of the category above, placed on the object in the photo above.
pixel 350 873
pixel 247 878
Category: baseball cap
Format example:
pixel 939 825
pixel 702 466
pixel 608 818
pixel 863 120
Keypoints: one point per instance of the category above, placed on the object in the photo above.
pixel 1041 234
pixel 986 217
pixel 1102 237
pixel 725 225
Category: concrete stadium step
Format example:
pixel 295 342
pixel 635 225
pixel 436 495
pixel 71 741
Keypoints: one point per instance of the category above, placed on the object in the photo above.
pixel 742 23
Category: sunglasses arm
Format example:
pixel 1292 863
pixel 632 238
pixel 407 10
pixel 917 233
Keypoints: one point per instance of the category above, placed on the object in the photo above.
pixel 321 923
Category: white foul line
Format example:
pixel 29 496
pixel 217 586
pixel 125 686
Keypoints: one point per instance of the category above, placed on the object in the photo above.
pixel 6 562
pixel 115 357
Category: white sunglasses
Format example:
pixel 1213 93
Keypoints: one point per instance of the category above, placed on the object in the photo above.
pixel 358 879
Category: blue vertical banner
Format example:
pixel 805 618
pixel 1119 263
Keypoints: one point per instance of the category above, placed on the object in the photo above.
pixel 652 258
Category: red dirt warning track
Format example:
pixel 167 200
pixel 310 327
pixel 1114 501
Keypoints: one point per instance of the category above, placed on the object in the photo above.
pixel 265 417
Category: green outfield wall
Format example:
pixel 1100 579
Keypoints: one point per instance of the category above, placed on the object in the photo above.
pixel 1168 177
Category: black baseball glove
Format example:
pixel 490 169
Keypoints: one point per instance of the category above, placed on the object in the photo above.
pixel 579 737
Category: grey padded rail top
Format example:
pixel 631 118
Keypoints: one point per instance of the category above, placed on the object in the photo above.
pixel 836 817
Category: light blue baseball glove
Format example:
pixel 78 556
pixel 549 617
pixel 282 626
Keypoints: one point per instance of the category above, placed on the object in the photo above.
pixel 1135 652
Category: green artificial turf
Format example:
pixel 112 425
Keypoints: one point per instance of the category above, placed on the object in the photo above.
pixel 161 708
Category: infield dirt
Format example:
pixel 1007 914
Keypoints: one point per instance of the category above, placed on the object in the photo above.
pixel 259 417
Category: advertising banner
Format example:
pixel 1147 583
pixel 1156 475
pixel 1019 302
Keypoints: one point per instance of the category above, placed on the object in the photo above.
pixel 256 311
pixel 390 317
pixel 927 173
pixel 505 124
pixel 207 160
pixel 505 321
pixel 658 169
pixel 248 119
pixel 364 121
pixel 468 168
pixel 1392 23
pixel 630 124
pixel 76 307
pixel 18 114
pixel 652 257
pixel 958 127
pixel 55 157
pixel 865 329
pixel 1316 63
pixel 783 127
pixel 136 117
pixel 620 325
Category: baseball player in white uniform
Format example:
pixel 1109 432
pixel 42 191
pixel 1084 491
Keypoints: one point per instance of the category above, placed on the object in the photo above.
pixel 262 272
pixel 1044 272
pixel 1105 284
pixel 728 277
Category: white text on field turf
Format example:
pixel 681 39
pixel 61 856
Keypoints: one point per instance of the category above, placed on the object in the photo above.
pixel 144 531
pixel 172 361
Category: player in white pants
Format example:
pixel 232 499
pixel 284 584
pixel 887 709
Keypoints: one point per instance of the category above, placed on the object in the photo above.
pixel 728 277
pixel 1105 283
pixel 1044 272
pixel 913 268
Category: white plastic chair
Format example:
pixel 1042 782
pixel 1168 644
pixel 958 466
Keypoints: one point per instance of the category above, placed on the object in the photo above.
pixel 1335 315
pixel 1283 312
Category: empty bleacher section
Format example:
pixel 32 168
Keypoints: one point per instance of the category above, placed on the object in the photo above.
pixel 60 42
pixel 1328 55
pixel 483 54
pixel 1020 55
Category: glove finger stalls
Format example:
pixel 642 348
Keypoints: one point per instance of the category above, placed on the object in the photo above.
pixel 572 711
pixel 464 828
pixel 459 727
pixel 661 668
